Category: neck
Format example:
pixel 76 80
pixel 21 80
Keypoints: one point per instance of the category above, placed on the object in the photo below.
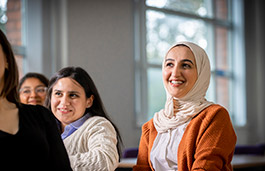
pixel 5 104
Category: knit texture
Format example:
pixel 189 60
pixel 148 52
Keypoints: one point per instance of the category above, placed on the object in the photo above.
pixel 93 146
pixel 208 142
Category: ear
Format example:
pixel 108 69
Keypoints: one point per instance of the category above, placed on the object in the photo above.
pixel 89 101
pixel 6 66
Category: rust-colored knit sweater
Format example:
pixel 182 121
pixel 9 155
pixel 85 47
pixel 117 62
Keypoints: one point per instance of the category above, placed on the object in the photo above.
pixel 207 144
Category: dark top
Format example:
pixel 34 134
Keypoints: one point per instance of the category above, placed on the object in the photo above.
pixel 36 146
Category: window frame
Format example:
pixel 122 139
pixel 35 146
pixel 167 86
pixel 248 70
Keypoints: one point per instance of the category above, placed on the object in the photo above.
pixel 235 41
pixel 20 50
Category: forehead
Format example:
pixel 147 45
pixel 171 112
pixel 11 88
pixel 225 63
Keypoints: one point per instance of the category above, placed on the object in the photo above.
pixel 67 83
pixel 180 52
pixel 32 82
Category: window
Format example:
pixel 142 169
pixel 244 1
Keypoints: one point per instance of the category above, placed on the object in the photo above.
pixel 11 23
pixel 213 25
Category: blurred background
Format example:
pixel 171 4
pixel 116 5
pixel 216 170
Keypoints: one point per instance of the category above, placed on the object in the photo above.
pixel 121 44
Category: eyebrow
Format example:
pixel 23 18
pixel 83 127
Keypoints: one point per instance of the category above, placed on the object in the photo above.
pixel 40 86
pixel 187 60
pixel 184 60
pixel 70 92
pixel 27 87
pixel 75 92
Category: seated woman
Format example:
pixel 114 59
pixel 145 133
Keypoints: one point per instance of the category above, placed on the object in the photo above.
pixel 190 133
pixel 32 88
pixel 29 137
pixel 91 139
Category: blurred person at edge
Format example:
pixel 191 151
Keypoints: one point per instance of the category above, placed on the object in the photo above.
pixel 190 133
pixel 29 137
pixel 32 88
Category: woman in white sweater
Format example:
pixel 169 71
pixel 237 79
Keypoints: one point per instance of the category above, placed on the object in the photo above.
pixel 91 139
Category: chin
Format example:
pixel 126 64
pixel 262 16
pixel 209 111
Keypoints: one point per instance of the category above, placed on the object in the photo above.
pixel 32 103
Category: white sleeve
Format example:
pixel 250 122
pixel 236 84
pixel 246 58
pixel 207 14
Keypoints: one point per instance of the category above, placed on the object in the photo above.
pixel 93 146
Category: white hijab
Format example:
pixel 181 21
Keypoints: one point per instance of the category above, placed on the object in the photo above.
pixel 178 111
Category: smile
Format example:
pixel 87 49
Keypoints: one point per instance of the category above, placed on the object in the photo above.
pixel 63 110
pixel 176 82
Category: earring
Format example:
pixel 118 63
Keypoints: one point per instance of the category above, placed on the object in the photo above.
pixel 6 67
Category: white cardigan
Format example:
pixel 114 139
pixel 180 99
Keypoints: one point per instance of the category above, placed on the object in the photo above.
pixel 93 146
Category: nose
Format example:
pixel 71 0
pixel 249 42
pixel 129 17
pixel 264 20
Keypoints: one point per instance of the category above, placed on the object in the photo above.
pixel 65 101
pixel 176 72
pixel 33 93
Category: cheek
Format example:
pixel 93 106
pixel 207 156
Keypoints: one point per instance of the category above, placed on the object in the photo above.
pixel 80 107
pixel 43 97
pixel 192 77
pixel 54 104
pixel 165 74
pixel 23 99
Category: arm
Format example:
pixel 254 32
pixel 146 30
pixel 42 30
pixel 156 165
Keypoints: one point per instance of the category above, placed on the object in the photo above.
pixel 95 146
pixel 216 144
pixel 142 158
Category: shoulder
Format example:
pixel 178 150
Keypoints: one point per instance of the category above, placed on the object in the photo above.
pixel 215 108
pixel 213 116
pixel 148 128
pixel 212 120
pixel 213 111
pixel 97 120
pixel 98 123
pixel 148 125
pixel 35 111
pixel 32 108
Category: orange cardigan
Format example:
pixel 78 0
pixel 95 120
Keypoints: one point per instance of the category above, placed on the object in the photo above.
pixel 208 142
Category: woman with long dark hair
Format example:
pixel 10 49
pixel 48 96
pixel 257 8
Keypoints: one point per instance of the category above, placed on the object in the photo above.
pixel 29 138
pixel 91 139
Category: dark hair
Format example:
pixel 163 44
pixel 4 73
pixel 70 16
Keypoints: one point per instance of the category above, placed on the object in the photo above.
pixel 82 77
pixel 39 76
pixel 9 90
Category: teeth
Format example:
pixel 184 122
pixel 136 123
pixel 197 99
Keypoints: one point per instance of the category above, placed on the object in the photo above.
pixel 64 110
pixel 176 82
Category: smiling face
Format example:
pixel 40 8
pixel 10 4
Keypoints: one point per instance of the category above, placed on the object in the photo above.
pixel 179 71
pixel 32 91
pixel 69 101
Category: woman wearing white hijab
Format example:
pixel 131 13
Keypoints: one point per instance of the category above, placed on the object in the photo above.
pixel 190 133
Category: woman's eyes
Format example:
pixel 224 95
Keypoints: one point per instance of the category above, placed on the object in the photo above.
pixel 73 95
pixel 57 93
pixel 184 65
pixel 169 64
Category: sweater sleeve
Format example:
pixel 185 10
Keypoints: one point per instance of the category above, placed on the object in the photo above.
pixel 142 158
pixel 215 147
pixel 93 147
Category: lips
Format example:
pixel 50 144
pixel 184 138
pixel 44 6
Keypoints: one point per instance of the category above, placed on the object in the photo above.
pixel 34 102
pixel 176 83
pixel 64 110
